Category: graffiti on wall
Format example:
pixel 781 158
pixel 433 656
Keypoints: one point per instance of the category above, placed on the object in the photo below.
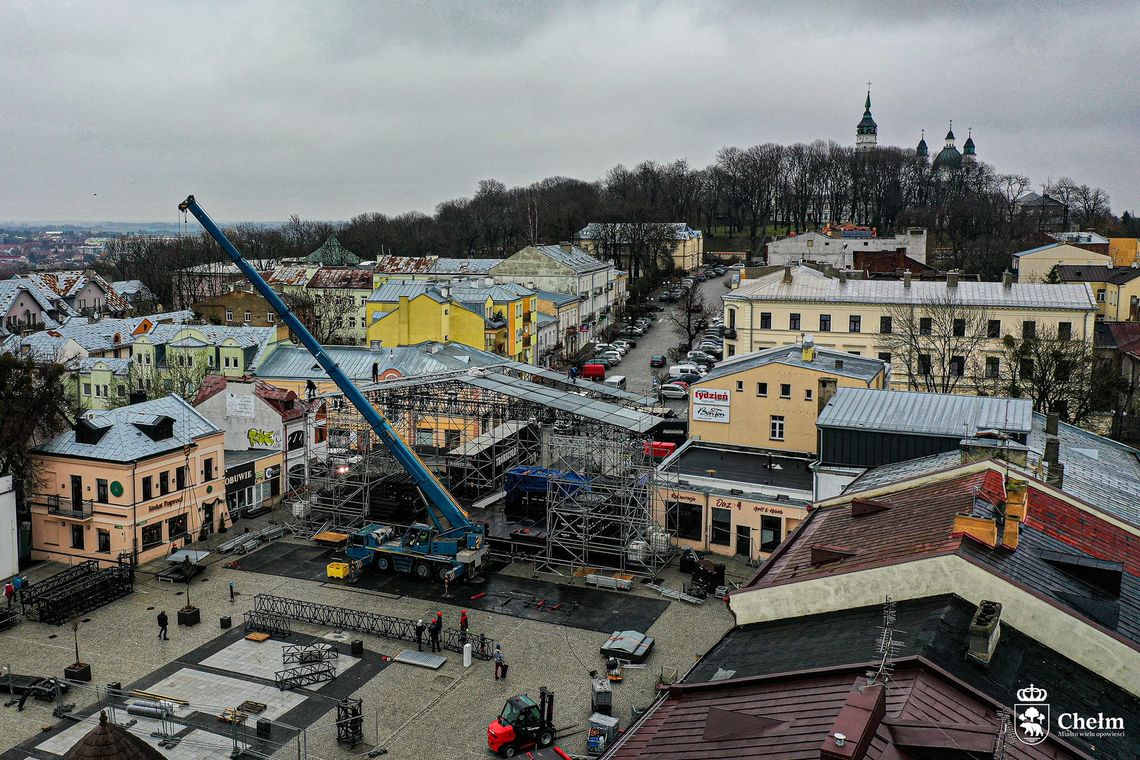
pixel 261 438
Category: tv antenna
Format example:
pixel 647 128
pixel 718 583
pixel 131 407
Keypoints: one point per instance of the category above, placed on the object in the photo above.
pixel 886 645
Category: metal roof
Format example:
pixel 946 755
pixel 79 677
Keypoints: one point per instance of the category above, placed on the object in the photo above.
pixel 296 363
pixel 464 266
pixel 345 278
pixel 117 366
pixel 393 290
pixel 811 286
pixel 68 283
pixel 124 441
pixel 576 259
pixel 558 299
pixel 93 336
pixel 826 361
pixel 924 413
pixel 11 289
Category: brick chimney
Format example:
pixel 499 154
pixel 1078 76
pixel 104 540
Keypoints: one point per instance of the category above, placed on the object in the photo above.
pixel 984 631
pixel 906 278
pixel 1007 280
pixel 952 279
pixel 787 274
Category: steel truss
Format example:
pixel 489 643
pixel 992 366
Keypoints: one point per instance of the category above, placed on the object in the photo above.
pixel 349 721
pixel 292 654
pixel 77 590
pixel 305 675
pixel 347 619
pixel 612 523
pixel 264 622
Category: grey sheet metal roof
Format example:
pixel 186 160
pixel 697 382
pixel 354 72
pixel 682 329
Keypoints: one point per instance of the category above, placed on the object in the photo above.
pixel 905 470
pixel 117 366
pixel 296 363
pixel 10 289
pixel 93 337
pixel 561 381
pixel 393 290
pixel 924 413
pixel 124 441
pixel 464 266
pixel 558 299
pixel 576 259
pixel 1098 470
pixel 859 367
pixel 182 336
pixel 811 286
pixel 132 289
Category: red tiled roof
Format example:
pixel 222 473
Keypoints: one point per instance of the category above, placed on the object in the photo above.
pixel 1082 530
pixel 918 523
pixel 285 402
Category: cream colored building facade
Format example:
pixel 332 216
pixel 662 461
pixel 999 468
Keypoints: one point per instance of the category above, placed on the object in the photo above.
pixel 770 399
pixel 1034 265
pixel 853 316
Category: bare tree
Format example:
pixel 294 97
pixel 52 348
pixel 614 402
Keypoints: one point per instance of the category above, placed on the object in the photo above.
pixel 325 316
pixel 34 407
pixel 937 344
pixel 689 315
pixel 1092 205
pixel 184 377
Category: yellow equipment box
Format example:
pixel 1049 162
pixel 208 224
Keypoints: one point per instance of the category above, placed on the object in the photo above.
pixel 337 570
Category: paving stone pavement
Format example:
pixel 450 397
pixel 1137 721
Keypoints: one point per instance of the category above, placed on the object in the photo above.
pixel 263 660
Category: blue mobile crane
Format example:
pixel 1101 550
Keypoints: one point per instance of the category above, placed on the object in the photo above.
pixel 452 546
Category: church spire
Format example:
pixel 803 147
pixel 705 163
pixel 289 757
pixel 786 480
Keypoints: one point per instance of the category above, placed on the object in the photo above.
pixel 867 131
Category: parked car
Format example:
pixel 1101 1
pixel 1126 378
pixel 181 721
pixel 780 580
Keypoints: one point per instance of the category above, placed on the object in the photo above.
pixel 626 342
pixel 700 356
pixel 712 350
pixel 603 361
pixel 613 355
pixel 657 360
pixel 686 377
pixel 674 390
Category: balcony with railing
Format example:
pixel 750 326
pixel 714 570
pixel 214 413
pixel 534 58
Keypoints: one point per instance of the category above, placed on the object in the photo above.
pixel 730 333
pixel 62 506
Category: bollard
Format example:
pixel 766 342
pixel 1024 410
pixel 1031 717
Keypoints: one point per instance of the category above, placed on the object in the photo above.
pixel 467 655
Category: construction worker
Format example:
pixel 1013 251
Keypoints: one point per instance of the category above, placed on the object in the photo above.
pixel 163 621
pixel 434 630
pixel 420 628
pixel 463 626
pixel 231 592
pixel 500 663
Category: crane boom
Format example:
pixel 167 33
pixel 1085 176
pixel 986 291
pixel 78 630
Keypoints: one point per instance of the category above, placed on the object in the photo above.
pixel 441 504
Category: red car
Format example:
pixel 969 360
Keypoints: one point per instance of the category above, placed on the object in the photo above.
pixel 657 360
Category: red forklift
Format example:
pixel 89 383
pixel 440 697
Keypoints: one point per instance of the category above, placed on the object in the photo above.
pixel 523 725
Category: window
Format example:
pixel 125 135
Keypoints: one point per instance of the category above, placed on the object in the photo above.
pixel 761 389
pixel 104 540
pixel 87 389
pixel 210 360
pixel 163 483
pixel 451 438
pixel 122 391
pixel 77 537
pixel 739 385
pixel 785 390
pixel 270 317
pixel 1065 330
pixel 776 429
pixel 993 366
pixel 180 477
pixel 147 489
pixel 208 469
pixel 732 350
pixel 885 356
pixel 765 320
pixel 957 366
pixel 886 325
pixel 807 394
pixel 688 520
pixel 101 490
pixel 1100 295
pixel 732 319
pixel 959 328
pixel 99 391
pixel 248 317
pixel 229 315
pixel 993 328
pixel 425 437
pixel 771 532
pixel 924 364
pixel 151 535
pixel 1028 329
pixel 925 325
pixel 825 323
pixel 793 321
pixel 1026 369
pixel 721 527
pixel 176 526
pixel 855 323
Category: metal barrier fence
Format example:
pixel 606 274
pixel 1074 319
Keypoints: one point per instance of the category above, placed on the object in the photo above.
pixel 452 639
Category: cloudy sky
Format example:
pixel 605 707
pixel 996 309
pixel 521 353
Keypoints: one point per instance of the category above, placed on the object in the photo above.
pixel 117 110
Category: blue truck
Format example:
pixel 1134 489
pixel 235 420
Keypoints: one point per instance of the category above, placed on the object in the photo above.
pixel 452 546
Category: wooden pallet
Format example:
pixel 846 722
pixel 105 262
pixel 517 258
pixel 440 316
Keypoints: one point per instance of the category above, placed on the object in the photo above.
pixel 257 636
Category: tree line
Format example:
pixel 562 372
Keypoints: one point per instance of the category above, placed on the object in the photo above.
pixel 747 195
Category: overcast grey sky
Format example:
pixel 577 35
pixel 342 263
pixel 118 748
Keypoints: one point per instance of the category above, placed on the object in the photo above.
pixel 116 110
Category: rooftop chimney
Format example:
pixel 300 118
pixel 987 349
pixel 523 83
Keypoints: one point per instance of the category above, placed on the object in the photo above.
pixel 842 276
pixel 1016 508
pixel 565 246
pixel 1052 449
pixel 985 629
pixel 906 278
pixel 952 279
pixel 807 350
pixel 856 724
pixel 839 364
pixel 787 274
pixel 1007 279
pixel 1051 422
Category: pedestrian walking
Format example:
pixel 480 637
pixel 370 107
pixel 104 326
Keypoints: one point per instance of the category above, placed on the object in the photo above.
pixel 231 592
pixel 463 627
pixel 500 663
pixel 9 592
pixel 420 628
pixel 163 621
pixel 434 630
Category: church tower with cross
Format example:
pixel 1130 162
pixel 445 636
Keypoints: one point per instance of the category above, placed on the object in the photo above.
pixel 867 133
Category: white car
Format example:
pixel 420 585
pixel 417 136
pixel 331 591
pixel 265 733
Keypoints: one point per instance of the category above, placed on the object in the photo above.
pixel 612 354
pixel 674 390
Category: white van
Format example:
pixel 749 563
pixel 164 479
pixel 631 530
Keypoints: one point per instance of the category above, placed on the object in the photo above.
pixel 684 369
pixel 615 381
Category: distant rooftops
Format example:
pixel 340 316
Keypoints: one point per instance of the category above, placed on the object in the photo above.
pixel 826 360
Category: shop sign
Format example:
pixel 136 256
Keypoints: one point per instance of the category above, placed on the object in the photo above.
pixel 677 496
pixel 165 504
pixel 764 509
pixel 710 413
pixel 711 396
pixel 239 478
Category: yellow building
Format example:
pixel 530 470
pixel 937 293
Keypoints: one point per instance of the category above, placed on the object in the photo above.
pixel 101 383
pixel 770 399
pixel 1116 289
pixel 1124 251
pixel 496 318
pixel 1034 265
pixel 862 317
pixel 681 244
pixel 133 481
